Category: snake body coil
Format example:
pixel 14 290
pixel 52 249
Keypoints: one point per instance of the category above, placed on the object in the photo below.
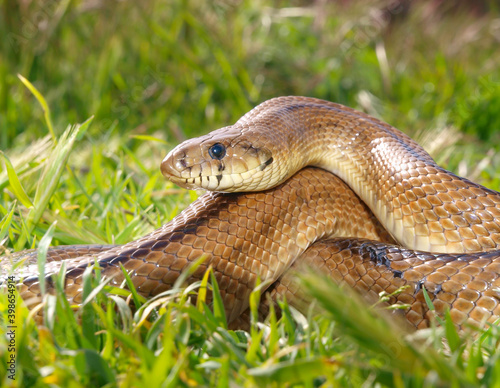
pixel 246 235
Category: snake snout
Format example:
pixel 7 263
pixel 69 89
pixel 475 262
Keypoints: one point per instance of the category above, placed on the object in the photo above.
pixel 177 166
pixel 185 167
pixel 173 165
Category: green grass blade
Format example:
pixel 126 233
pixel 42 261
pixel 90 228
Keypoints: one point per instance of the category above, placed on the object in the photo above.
pixel 203 289
pixel 17 188
pixel 6 222
pixel 43 103
pixel 219 311
pixel 130 284
pixel 289 372
pixel 452 336
pixel 42 255
pixel 148 138
pixel 93 368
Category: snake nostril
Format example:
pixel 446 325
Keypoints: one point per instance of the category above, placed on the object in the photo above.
pixel 180 164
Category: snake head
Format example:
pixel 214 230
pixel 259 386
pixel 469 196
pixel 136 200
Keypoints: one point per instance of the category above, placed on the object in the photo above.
pixel 224 160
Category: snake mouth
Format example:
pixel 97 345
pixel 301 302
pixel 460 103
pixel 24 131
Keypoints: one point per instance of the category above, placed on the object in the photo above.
pixel 186 183
pixel 243 181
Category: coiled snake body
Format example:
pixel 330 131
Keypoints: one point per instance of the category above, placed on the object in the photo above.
pixel 404 198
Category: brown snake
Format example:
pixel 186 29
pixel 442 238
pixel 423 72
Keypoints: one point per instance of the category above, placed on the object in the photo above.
pixel 262 234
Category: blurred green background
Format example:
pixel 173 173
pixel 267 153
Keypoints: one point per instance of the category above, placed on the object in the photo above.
pixel 177 68
pixel 174 69
pixel 153 73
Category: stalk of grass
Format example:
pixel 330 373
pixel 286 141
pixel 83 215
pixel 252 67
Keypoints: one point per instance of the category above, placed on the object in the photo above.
pixel 42 255
pixel 17 188
pixel 43 103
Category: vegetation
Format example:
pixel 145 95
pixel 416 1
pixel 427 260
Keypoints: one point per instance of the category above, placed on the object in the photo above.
pixel 142 76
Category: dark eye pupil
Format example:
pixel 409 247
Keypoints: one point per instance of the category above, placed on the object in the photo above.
pixel 217 151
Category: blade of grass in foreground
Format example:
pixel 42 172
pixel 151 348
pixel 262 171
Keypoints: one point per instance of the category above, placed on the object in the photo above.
pixel 42 255
pixel 16 186
pixel 6 222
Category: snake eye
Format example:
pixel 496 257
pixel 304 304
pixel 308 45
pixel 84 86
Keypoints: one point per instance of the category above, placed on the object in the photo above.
pixel 217 151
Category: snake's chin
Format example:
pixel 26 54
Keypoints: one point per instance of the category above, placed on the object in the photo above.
pixel 184 183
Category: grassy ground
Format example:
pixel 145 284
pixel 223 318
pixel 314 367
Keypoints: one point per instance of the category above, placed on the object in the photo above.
pixel 155 73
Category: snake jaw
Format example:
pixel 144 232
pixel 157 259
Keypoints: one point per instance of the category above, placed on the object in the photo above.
pixel 218 180
pixel 185 183
pixel 245 165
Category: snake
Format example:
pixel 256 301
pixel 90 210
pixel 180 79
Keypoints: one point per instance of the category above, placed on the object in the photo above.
pixel 302 181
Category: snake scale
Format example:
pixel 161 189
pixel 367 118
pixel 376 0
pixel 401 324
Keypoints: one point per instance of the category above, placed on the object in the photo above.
pixel 399 219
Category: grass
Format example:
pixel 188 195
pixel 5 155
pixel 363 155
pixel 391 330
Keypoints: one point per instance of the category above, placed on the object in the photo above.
pixel 186 68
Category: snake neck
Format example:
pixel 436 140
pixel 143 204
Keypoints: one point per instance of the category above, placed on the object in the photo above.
pixel 422 205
